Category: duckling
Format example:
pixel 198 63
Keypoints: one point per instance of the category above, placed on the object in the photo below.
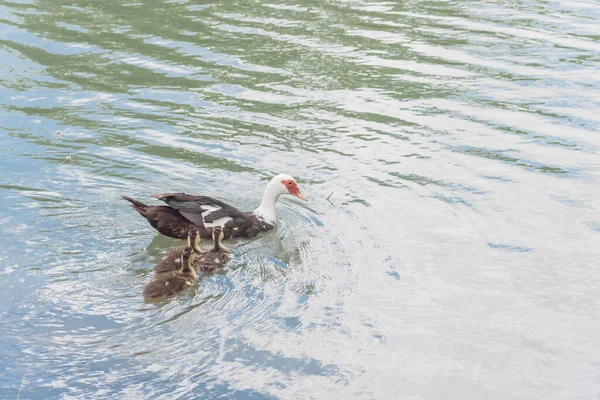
pixel 216 257
pixel 169 283
pixel 172 260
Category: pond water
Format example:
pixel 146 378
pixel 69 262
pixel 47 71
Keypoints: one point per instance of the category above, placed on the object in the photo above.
pixel 449 248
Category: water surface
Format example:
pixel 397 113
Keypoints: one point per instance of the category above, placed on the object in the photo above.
pixel 456 256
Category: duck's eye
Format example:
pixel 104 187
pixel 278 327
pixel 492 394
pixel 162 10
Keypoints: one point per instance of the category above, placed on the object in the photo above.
pixel 290 183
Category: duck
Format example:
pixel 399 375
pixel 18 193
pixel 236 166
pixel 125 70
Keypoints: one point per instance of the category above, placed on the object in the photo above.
pixel 186 212
pixel 215 258
pixel 172 260
pixel 168 284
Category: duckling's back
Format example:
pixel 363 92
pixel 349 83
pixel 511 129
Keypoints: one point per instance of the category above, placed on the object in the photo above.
pixel 167 285
pixel 211 261
pixel 169 262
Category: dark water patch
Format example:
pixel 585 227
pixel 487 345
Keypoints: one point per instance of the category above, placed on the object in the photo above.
pixel 509 247
pixel 500 156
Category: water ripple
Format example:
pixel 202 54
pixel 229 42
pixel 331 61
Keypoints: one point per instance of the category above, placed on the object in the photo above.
pixel 449 151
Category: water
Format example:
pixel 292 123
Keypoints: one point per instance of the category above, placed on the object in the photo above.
pixel 455 258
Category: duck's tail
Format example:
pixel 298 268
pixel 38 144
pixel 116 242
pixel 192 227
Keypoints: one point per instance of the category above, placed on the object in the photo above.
pixel 137 205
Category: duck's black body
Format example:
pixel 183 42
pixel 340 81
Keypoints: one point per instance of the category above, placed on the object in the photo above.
pixel 187 212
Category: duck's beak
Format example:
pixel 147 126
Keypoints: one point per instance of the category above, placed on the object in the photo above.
pixel 294 190
pixel 299 195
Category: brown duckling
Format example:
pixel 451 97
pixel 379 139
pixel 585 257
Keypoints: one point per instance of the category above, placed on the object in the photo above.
pixel 169 283
pixel 214 258
pixel 172 260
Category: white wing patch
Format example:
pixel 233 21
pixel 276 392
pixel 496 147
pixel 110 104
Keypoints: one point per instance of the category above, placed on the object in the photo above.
pixel 218 222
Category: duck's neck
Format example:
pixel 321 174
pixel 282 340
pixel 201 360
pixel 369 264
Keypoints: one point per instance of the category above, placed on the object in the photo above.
pixel 218 245
pixel 188 268
pixel 267 211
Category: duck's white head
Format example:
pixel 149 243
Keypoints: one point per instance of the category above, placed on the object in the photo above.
pixel 280 184
pixel 285 184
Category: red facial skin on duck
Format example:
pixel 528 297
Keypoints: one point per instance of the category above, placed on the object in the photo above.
pixel 293 188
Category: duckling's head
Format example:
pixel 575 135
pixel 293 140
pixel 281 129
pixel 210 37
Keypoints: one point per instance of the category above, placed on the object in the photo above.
pixel 193 240
pixel 217 235
pixel 188 255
